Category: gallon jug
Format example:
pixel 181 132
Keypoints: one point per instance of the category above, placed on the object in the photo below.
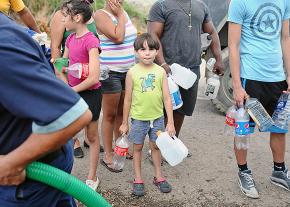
pixel 182 76
pixel 174 94
pixel 210 64
pixel 212 87
pixel 171 148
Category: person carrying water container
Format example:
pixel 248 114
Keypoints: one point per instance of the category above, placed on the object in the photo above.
pixel 146 92
pixel 36 120
pixel 259 47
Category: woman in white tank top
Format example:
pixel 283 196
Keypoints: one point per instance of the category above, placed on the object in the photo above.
pixel 117 35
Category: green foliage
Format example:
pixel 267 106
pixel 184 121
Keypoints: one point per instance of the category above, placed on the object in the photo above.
pixel 51 5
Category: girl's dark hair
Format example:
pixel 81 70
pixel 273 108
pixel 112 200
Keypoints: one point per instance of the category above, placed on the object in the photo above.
pixel 82 7
pixel 146 37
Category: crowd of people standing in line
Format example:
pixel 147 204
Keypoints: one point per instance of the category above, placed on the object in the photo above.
pixel 108 39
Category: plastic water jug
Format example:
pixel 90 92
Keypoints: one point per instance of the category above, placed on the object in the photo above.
pixel 174 94
pixel 282 112
pixel 104 72
pixel 212 87
pixel 242 130
pixel 182 76
pixel 172 149
pixel 120 152
pixel 210 64
pixel 230 121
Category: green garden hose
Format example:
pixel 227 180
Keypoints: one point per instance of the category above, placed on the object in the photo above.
pixel 66 183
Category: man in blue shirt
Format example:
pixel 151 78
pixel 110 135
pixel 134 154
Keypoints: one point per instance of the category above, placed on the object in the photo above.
pixel 38 114
pixel 259 49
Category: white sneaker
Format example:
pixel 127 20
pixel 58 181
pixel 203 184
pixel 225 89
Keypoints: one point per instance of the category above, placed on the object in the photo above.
pixel 93 184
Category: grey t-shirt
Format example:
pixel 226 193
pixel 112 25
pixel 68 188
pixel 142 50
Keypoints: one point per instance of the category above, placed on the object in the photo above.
pixel 179 44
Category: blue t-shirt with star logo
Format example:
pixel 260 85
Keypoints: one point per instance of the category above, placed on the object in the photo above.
pixel 260 45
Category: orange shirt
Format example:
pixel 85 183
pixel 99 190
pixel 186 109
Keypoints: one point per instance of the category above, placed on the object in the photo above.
pixel 15 5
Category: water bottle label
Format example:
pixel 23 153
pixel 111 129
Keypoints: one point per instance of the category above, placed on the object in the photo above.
pixel 176 98
pixel 230 121
pixel 85 71
pixel 121 151
pixel 209 90
pixel 280 106
pixel 242 128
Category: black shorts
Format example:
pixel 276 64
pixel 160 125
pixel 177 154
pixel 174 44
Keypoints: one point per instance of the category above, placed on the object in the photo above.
pixel 268 93
pixel 189 97
pixel 115 83
pixel 94 100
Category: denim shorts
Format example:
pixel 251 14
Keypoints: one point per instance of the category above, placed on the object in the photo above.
pixel 115 83
pixel 139 130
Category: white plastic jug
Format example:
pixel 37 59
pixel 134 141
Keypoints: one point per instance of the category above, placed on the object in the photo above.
pixel 182 76
pixel 174 94
pixel 172 149
pixel 212 87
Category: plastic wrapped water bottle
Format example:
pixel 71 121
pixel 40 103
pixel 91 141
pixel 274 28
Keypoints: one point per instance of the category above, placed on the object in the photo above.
pixel 229 129
pixel 120 152
pixel 259 114
pixel 282 112
pixel 242 130
pixel 79 70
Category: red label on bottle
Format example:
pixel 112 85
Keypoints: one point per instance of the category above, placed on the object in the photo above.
pixel 121 151
pixel 230 121
pixel 85 71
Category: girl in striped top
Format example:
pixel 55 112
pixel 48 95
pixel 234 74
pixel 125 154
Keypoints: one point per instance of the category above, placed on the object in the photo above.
pixel 117 35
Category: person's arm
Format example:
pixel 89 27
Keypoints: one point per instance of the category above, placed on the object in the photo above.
pixel 27 18
pixel 65 53
pixel 215 47
pixel 156 30
pixel 61 75
pixel 234 58
pixel 12 171
pixel 285 42
pixel 116 33
pixel 124 128
pixel 168 106
pixel 57 30
pixel 94 71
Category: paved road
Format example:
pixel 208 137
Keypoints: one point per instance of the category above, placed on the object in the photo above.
pixel 206 179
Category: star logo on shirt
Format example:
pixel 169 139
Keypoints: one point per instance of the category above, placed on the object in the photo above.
pixel 267 21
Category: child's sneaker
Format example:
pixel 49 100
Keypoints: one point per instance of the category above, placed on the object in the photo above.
pixel 162 184
pixel 138 188
pixel 93 184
